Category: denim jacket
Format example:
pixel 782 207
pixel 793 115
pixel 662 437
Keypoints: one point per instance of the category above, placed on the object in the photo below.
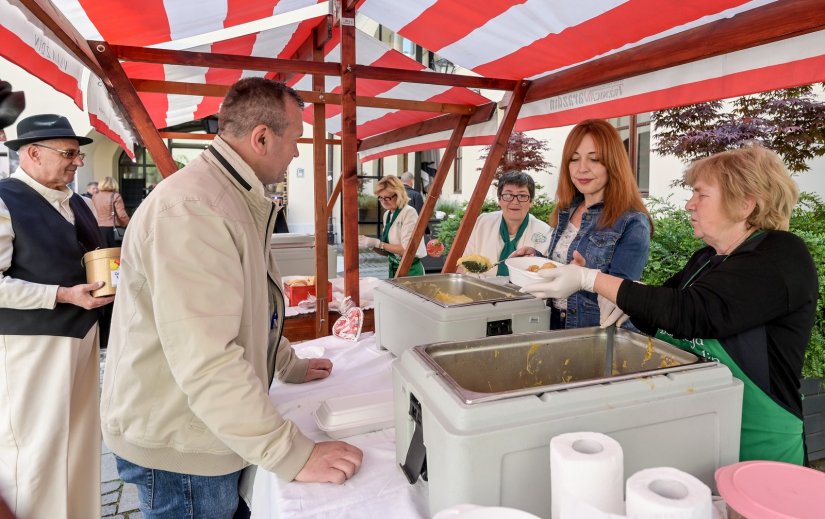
pixel 620 250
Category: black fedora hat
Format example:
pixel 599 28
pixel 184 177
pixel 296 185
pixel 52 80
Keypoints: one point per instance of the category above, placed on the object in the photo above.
pixel 42 128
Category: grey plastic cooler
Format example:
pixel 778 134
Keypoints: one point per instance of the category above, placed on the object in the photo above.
pixel 483 411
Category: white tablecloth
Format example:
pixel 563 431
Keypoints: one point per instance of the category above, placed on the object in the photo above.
pixel 379 490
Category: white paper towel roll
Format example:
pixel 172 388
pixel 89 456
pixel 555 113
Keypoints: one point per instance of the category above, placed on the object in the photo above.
pixel 587 467
pixel 667 492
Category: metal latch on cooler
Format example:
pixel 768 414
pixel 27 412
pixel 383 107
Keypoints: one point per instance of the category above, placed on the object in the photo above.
pixel 415 464
pixel 502 327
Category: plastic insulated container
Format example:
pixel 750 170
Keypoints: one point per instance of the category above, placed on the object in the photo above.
pixel 103 265
pixel 771 490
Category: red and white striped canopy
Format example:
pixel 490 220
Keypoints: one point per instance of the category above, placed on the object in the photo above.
pixel 511 39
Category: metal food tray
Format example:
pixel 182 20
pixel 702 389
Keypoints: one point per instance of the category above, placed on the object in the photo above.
pixel 426 287
pixel 494 368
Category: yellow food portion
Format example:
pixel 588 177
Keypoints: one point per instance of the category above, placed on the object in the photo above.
pixel 536 268
pixel 475 263
pixel 308 281
pixel 450 299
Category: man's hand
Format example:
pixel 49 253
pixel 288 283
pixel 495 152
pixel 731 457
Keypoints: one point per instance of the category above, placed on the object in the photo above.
pixel 365 242
pixel 331 462
pixel 80 295
pixel 562 281
pixel 318 369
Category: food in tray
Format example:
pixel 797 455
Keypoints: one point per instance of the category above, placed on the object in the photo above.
pixel 536 268
pixel 475 263
pixel 308 281
pixel 452 299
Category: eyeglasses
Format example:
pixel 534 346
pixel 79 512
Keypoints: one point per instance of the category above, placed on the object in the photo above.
pixel 387 198
pixel 67 154
pixel 509 197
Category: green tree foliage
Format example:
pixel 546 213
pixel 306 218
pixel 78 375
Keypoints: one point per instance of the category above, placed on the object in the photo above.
pixel 790 122
pixel 523 154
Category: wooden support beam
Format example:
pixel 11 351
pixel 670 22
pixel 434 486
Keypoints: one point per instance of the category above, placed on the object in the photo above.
pixel 433 78
pixel 226 61
pixel 134 108
pixel 772 22
pixel 319 160
pixel 333 197
pixel 211 136
pixel 309 96
pixel 349 156
pixel 434 125
pixel 433 194
pixel 294 66
pixel 488 172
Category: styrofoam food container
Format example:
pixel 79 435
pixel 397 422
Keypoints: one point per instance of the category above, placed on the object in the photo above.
pixel 343 416
pixel 519 275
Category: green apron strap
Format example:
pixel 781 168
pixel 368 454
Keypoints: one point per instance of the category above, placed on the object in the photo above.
pixel 509 245
pixel 769 431
pixel 416 269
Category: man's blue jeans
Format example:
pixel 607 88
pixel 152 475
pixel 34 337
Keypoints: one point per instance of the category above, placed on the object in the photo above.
pixel 169 495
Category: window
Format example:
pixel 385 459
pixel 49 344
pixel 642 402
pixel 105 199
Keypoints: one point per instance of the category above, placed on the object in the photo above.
pixel 134 176
pixel 635 132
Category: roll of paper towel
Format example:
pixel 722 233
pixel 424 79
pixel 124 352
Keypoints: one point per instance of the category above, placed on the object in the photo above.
pixel 667 492
pixel 586 467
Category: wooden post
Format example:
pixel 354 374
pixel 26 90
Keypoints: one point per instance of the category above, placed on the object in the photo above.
pixel 486 178
pixel 432 196
pixel 319 149
pixel 134 107
pixel 349 155
pixel 334 195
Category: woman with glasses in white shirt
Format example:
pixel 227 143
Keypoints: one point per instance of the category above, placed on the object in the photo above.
pixel 498 234
pixel 399 223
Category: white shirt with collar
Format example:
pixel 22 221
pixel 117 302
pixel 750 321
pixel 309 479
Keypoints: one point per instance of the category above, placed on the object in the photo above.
pixel 18 293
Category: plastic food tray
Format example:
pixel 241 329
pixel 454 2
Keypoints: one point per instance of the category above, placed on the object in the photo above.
pixel 343 416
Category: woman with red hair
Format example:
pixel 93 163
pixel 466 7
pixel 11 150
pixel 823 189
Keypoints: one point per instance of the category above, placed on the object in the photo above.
pixel 599 220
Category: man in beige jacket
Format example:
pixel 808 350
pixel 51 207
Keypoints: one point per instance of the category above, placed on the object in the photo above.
pixel 196 331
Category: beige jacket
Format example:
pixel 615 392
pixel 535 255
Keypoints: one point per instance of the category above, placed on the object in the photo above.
pixel 190 357
pixel 103 203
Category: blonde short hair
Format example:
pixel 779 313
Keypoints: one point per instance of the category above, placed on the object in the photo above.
pixel 108 184
pixel 751 172
pixel 393 184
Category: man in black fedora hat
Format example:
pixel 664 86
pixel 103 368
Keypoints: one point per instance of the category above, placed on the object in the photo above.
pixel 49 418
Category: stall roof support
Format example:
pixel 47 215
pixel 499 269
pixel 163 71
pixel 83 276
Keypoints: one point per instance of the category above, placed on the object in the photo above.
pixel 433 194
pixel 488 172
pixel 349 157
pixel 319 159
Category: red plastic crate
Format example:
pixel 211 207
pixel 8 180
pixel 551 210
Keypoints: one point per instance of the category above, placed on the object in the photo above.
pixel 296 294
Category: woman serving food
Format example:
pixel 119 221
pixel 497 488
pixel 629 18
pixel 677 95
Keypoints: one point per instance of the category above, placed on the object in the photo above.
pixel 399 224
pixel 600 219
pixel 747 300
pixel 498 234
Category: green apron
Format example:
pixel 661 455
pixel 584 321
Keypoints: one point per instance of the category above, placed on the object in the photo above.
pixel 509 245
pixel 417 268
pixel 769 431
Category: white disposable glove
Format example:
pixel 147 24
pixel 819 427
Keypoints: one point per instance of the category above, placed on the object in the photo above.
pixel 609 313
pixel 562 281
pixel 365 242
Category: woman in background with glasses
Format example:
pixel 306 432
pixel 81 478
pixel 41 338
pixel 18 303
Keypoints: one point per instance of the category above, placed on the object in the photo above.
pixel 600 219
pixel 399 224
pixel 498 234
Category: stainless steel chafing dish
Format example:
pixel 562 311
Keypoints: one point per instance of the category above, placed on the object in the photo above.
pixel 433 287
pixel 503 367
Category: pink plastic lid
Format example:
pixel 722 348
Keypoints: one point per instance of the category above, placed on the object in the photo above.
pixel 772 490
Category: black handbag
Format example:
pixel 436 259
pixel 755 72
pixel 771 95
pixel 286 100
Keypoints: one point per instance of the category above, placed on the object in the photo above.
pixel 117 232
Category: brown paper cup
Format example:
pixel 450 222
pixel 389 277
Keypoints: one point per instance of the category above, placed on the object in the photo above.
pixel 103 265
